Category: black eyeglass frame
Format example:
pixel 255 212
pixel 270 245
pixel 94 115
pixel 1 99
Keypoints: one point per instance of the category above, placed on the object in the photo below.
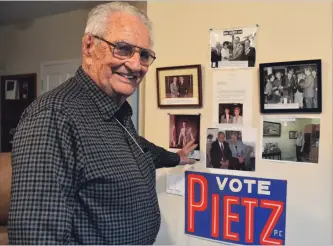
pixel 114 45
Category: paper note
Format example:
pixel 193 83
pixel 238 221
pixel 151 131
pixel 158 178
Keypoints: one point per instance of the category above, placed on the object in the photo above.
pixel 175 184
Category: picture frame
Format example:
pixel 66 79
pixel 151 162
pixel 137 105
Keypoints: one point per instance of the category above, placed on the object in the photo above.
pixel 271 129
pixel 291 87
pixel 292 134
pixel 179 86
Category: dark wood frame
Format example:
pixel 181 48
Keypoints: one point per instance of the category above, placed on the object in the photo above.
pixel 198 68
pixel 295 135
pixel 275 123
pixel 317 62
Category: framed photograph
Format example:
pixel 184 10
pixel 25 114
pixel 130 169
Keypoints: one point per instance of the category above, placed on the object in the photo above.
pixel 183 129
pixel 179 87
pixel 291 87
pixel 271 129
pixel 292 134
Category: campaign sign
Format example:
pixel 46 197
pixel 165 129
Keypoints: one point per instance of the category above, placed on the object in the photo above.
pixel 232 209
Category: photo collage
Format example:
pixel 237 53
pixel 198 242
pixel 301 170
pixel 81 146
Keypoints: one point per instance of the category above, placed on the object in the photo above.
pixel 290 88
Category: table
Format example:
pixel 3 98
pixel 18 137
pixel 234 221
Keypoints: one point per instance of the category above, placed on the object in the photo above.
pixel 272 155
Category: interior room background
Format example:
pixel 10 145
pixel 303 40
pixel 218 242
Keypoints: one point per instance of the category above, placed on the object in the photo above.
pixel 287 31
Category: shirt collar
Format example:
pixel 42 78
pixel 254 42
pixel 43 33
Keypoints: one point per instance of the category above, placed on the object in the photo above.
pixel 106 106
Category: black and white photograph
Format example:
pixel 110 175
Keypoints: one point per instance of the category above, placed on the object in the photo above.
pixel 225 149
pixel 231 113
pixel 291 87
pixel 179 86
pixel 234 47
pixel 298 140
pixel 183 129
pixel 271 129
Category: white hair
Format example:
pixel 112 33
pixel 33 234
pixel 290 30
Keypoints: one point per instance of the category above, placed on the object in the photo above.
pixel 98 18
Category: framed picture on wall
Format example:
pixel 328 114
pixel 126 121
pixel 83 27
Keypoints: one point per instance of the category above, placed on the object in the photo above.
pixel 179 86
pixel 291 87
pixel 271 129
pixel 292 134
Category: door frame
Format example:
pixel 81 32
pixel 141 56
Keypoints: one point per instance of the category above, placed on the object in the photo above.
pixel 135 95
pixel 50 63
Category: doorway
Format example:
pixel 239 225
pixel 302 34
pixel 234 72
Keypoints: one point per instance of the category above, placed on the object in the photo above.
pixel 55 73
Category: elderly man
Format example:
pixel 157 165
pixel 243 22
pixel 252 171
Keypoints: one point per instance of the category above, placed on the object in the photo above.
pixel 81 173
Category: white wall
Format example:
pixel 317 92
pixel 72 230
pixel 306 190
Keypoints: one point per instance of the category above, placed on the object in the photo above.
pixel 288 31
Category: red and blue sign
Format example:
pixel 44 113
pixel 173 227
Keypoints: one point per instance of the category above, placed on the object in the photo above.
pixel 234 209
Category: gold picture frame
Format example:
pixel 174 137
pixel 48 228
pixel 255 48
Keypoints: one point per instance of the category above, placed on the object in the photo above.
pixel 179 86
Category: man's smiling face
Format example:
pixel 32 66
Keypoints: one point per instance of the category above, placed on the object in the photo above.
pixel 114 75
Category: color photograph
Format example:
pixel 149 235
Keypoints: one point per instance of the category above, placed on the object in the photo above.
pixel 179 86
pixel 231 113
pixel 226 149
pixel 183 129
pixel 297 140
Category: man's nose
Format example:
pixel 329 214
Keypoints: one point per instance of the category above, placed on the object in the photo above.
pixel 134 62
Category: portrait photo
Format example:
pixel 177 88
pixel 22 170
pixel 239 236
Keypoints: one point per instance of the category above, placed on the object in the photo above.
pixel 179 87
pixel 225 149
pixel 231 113
pixel 183 129
pixel 291 87
pixel 298 140
pixel 233 47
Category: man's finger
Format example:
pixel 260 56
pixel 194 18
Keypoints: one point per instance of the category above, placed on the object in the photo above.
pixel 191 148
pixel 189 144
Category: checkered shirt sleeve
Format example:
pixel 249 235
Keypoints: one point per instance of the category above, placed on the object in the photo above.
pixel 45 159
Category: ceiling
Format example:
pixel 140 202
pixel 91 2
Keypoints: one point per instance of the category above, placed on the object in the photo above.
pixel 12 12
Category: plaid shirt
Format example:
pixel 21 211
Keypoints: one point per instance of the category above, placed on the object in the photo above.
pixel 78 176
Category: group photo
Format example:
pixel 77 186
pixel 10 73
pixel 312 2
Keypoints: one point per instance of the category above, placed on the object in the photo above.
pixel 225 149
pixel 233 47
pixel 291 87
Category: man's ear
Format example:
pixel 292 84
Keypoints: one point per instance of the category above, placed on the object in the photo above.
pixel 87 45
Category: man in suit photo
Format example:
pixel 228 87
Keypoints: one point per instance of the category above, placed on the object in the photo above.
pixel 215 55
pixel 220 152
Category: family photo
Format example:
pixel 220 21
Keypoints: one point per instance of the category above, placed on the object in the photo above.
pixel 225 149
pixel 179 86
pixel 233 47
pixel 230 113
pixel 293 140
pixel 293 87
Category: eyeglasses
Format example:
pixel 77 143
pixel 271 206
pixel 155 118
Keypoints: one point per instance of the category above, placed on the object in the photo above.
pixel 123 50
